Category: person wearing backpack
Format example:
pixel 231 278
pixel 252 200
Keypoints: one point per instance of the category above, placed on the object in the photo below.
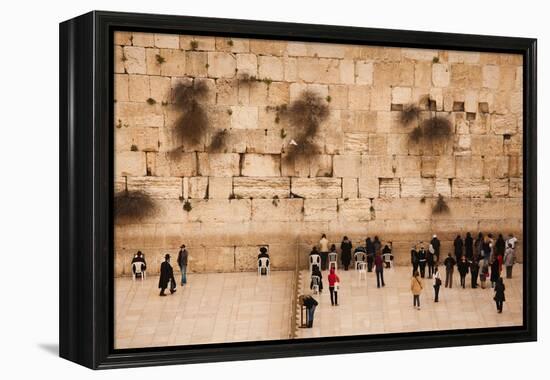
pixel 437 284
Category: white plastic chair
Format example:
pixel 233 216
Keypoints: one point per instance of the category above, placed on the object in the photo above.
pixel 359 258
pixel 263 263
pixel 332 260
pixel 315 280
pixel 136 266
pixel 362 270
pixel 314 260
pixel 387 259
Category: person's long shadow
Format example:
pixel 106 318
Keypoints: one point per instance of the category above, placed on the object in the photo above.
pixel 52 348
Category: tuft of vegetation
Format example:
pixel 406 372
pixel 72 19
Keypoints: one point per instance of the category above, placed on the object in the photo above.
pixel 133 205
pixel 229 111
pixel 246 78
pixel 275 200
pixel 267 81
pixel 187 206
pixel 160 59
pixel 194 44
pixel 123 58
pixel 440 206
pixel 218 141
pixel 192 124
pixel 283 133
pixel 488 195
pixel 134 148
pixel 435 60
pixel 423 200
pixel 151 101
pixel 207 66
pixel 328 98
pixel 230 42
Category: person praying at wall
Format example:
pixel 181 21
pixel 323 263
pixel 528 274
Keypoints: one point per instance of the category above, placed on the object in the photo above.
pixel 345 248
pixel 324 248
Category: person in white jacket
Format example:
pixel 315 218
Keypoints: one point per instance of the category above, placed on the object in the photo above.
pixel 437 284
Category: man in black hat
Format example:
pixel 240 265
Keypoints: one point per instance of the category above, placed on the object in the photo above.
pixel 166 276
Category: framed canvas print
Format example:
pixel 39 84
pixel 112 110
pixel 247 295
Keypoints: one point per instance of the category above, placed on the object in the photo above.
pixel 238 189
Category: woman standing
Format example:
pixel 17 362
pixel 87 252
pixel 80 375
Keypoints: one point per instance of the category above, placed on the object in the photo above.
pixel 416 289
pixel 499 294
pixel 437 284
pixel 333 283
pixel 495 272
pixel 345 247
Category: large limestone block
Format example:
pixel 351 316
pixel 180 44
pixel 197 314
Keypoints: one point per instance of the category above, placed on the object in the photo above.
pixel 220 259
pixel 220 187
pixel 359 97
pixel 515 168
pixel 381 99
pixel 137 138
pixel 268 47
pixel 419 54
pixel 261 165
pixel 390 188
pixel 487 145
pixel 502 208
pixel 495 167
pixel 390 74
pixel 320 166
pixel 504 124
pixel 376 166
pixel 138 115
pixel 196 63
pixel 338 95
pixel 469 166
pixel 401 209
pixel 261 187
pixel 244 117
pixel 347 71
pixel 463 56
pixel 134 60
pixel 271 68
pixel 221 65
pixel 354 210
pixel 195 187
pixel 466 76
pixel 378 144
pixel 428 166
pixel 157 187
pixel 152 61
pixel 320 209
pixel 234 45
pixel 423 74
pixel 119 60
pixel 347 165
pixel 219 210
pixel 175 164
pixel 247 64
pixel 318 70
pixel 218 164
pixel 246 258
pixel 363 72
pixel 507 77
pixel 174 63
pixel 441 75
pixel 227 93
pixel 397 144
pixel 350 188
pixel 138 88
pixel 159 88
pixel 499 187
pixel 143 39
pixel 369 187
pixel 417 187
pixel 443 187
pixel 277 210
pixel 356 142
pixel 470 187
pixel 401 95
pixel 407 166
pixel 202 43
pixel 358 121
pixel 121 88
pixel 168 41
pixel 317 187
pixel 130 164
pixel 445 167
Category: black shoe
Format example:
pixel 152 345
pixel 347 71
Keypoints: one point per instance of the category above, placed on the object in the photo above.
pixel 162 295
pixel 172 291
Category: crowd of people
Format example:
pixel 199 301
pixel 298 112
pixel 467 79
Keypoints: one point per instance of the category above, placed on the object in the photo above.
pixel 483 258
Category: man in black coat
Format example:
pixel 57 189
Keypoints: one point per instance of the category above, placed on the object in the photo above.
pixel 449 263
pixel 166 276
pixel 459 246
pixel 139 258
pixel 436 244
pixel 422 259
pixel 414 259
pixel 469 246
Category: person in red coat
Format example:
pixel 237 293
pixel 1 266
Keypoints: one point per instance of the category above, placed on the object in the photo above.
pixel 333 283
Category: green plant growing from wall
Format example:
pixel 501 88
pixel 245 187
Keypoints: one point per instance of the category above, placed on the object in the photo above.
pixel 133 205
pixel 440 206
pixel 194 44
pixel 134 148
pixel 151 101
pixel 187 206
pixel 160 59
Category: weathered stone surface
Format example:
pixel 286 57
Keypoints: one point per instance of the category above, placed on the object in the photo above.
pixel 256 165
pixel 130 164
pixel 443 187
pixel 417 187
pixel 320 209
pixel 419 54
pixel 121 87
pixel 504 124
pixel 401 95
pixel 464 56
pixel 274 210
pixel 516 187
pixel 495 167
pixel 499 187
pixel 466 76
pixel 235 45
pixel 363 72
pixel 346 165
pixel 268 47
pixel 156 187
pixel 175 164
pixel 470 187
pixel 377 166
pixel 221 65
pixel 133 59
pixel 195 187
pixel 356 142
pixel 218 164
pixel 195 63
pixel 354 210
pixel 143 39
pixel 469 167
pixel 359 97
pixel 202 43
pixel 271 67
pixel 159 89
pixel 317 187
pixel 359 121
pixel 174 62
pixel 137 138
pixel 487 145
pixel 368 187
pixel 169 41
pixel 350 188
pixel 220 187
pixel 243 117
pixel 390 188
pixel 219 210
pixel 261 187
pixel 407 166
pixel 423 74
pixel 445 167
pixel 347 72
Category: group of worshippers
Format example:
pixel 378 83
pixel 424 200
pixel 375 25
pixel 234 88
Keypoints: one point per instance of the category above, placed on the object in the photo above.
pixel 483 257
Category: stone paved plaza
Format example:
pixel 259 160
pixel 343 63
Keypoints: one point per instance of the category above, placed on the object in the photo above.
pixel 365 309
pixel 211 308
pixel 230 307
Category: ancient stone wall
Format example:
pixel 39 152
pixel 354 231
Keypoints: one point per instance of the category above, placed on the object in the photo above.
pixel 369 178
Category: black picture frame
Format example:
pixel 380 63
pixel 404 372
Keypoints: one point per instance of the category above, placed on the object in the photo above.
pixel 86 189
